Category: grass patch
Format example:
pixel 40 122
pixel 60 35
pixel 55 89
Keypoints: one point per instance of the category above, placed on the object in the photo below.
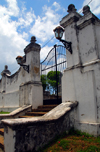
pixel 74 141
pixel 64 144
pixel 3 112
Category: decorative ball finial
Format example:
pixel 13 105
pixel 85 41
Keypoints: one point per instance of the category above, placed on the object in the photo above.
pixel 5 71
pixel 6 67
pixel 71 8
pixel 33 39
pixel 86 10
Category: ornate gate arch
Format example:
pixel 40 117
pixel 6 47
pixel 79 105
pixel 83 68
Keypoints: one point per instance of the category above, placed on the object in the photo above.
pixel 56 62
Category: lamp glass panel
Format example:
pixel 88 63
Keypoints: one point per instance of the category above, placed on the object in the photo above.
pixel 18 61
pixel 56 34
pixel 60 35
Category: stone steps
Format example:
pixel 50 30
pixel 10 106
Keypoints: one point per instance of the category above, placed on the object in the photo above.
pixel 2 131
pixel 47 106
pixel 1 150
pixel 25 116
pixel 2 142
pixel 35 113
pixel 1 139
pixel 40 111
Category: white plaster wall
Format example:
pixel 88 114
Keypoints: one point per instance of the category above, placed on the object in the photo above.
pixel 68 87
pixel 9 139
pixel 82 81
pixel 84 87
pixel 1 100
pixel 77 86
pixel 9 99
pixel 31 94
pixel 37 96
pixel 71 36
pixel 97 90
pixel 33 58
pixel 13 82
pixel 87 44
pixel 97 29
pixel 3 83
pixel 0 85
pixel 90 128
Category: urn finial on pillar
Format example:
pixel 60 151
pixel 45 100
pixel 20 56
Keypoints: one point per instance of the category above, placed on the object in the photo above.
pixel 33 39
pixel 71 8
pixel 5 71
pixel 86 10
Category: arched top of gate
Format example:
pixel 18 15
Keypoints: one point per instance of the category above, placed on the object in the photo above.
pixel 57 55
pixel 57 47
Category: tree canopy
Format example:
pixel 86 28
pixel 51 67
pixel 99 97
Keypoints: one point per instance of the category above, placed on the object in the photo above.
pixel 49 81
pixel 44 81
pixel 52 80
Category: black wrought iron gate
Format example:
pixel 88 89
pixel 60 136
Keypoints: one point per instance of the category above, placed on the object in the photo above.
pixel 51 72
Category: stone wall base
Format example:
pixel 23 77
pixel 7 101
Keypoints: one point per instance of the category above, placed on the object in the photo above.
pixel 31 93
pixel 90 128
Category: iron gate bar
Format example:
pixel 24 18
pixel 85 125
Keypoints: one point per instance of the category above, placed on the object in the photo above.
pixel 51 51
pixel 57 52
pixel 56 71
pixel 54 65
pixel 54 56
pixel 47 55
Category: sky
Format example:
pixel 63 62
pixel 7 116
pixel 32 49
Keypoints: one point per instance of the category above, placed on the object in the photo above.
pixel 22 19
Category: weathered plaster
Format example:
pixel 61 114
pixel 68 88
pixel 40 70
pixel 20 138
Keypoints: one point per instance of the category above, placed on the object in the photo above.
pixel 22 87
pixel 81 79
pixel 16 113
pixel 30 134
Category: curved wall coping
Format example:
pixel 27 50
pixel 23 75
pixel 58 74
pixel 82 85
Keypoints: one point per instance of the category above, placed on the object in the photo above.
pixel 52 115
pixel 15 112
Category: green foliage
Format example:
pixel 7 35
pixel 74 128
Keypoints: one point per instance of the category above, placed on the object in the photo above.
pixel 91 148
pixel 52 80
pixel 44 81
pixel 3 112
pixel 98 139
pixel 64 144
pixel 49 81
pixel 79 133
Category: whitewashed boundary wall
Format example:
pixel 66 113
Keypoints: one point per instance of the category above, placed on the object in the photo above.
pixel 81 79
pixel 23 88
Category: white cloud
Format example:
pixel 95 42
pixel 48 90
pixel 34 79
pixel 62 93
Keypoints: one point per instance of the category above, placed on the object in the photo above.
pixel 57 6
pixel 12 7
pixel 44 52
pixel 43 27
pixel 26 18
pixel 25 35
pixel 11 42
pixel 94 6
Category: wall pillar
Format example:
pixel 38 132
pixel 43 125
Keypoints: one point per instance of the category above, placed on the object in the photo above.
pixel 81 79
pixel 31 91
